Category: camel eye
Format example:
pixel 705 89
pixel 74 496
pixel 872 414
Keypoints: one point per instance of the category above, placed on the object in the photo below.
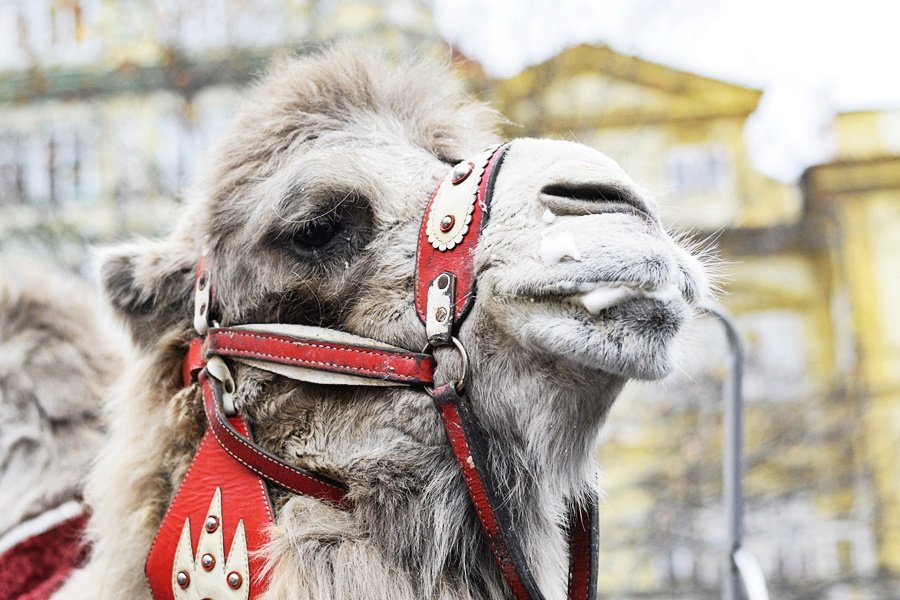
pixel 316 233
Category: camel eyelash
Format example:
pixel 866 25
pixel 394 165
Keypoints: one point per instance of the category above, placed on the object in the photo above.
pixel 316 233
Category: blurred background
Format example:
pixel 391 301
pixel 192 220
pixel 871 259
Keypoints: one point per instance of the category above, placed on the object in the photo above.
pixel 768 130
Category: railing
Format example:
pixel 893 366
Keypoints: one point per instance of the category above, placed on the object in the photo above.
pixel 740 568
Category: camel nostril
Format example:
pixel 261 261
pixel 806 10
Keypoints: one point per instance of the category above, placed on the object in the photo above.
pixel 592 198
pixel 587 193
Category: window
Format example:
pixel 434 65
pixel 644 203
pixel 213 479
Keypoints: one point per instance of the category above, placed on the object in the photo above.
pixel 256 24
pixel 776 358
pixel 177 149
pixel 62 30
pixel 11 52
pixel 59 167
pixel 699 169
pixel 65 152
pixel 12 170
pixel 193 27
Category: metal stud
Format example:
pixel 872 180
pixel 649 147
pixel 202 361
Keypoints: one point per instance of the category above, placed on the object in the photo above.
pixel 461 171
pixel 208 561
pixel 234 580
pixel 440 314
pixel 447 223
pixel 182 579
pixel 212 523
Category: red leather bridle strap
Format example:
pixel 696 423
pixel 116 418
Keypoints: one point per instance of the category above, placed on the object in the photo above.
pixel 460 428
pixel 465 440
pixel 584 549
pixel 268 466
pixel 377 363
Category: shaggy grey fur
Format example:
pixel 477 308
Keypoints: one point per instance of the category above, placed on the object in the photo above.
pixel 345 139
pixel 56 360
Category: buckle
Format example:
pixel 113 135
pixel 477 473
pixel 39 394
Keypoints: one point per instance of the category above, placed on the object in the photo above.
pixel 459 384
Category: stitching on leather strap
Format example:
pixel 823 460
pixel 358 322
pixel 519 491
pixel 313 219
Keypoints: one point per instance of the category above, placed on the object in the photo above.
pixel 583 550
pixel 515 571
pixel 326 490
pixel 221 345
pixel 309 344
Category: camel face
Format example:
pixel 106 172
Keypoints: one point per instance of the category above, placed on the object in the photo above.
pixel 320 189
pixel 314 198
pixel 575 264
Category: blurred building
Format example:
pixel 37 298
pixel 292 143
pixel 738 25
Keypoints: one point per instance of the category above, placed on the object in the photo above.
pixel 105 107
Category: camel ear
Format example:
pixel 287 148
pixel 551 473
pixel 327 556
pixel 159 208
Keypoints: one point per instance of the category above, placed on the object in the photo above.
pixel 150 286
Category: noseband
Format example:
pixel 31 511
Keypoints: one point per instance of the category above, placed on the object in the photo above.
pixel 223 501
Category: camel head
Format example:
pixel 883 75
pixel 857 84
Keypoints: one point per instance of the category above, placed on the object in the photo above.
pixel 312 201
pixel 310 208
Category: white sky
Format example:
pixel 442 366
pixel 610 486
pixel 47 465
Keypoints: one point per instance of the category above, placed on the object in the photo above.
pixel 850 50
pixel 810 57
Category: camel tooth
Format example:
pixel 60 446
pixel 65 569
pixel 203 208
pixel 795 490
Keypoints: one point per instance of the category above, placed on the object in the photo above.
pixel 601 298
pixel 554 249
pixel 548 216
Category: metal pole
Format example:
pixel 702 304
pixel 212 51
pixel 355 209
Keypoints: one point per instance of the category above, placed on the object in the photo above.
pixel 732 462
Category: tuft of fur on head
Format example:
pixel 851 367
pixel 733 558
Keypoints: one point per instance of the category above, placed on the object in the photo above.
pixel 56 360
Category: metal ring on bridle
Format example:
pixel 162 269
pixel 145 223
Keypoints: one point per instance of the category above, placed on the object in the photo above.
pixel 461 382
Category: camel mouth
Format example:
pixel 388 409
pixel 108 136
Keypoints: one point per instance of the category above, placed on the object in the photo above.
pixel 603 297
pixel 598 296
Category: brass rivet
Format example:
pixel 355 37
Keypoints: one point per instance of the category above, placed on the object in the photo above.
pixel 447 223
pixel 461 171
pixel 440 314
pixel 208 561
pixel 234 580
pixel 212 523
pixel 182 579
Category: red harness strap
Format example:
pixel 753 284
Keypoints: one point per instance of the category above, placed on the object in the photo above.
pixel 462 432
pixel 375 363
pixel 254 458
pixel 460 427
pixel 584 550
pixel 445 289
pixel 214 530
pixel 457 260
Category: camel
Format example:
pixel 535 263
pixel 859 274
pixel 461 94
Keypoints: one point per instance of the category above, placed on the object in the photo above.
pixel 310 207
pixel 56 360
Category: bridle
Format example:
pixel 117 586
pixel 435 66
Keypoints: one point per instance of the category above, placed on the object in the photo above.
pixel 223 502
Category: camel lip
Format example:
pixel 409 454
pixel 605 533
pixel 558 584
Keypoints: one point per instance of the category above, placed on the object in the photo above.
pixel 597 296
pixel 564 289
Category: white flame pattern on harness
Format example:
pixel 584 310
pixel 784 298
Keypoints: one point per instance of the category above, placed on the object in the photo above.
pixel 211 581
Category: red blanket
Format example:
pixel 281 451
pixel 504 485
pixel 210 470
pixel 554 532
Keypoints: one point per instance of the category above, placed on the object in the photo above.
pixel 36 567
